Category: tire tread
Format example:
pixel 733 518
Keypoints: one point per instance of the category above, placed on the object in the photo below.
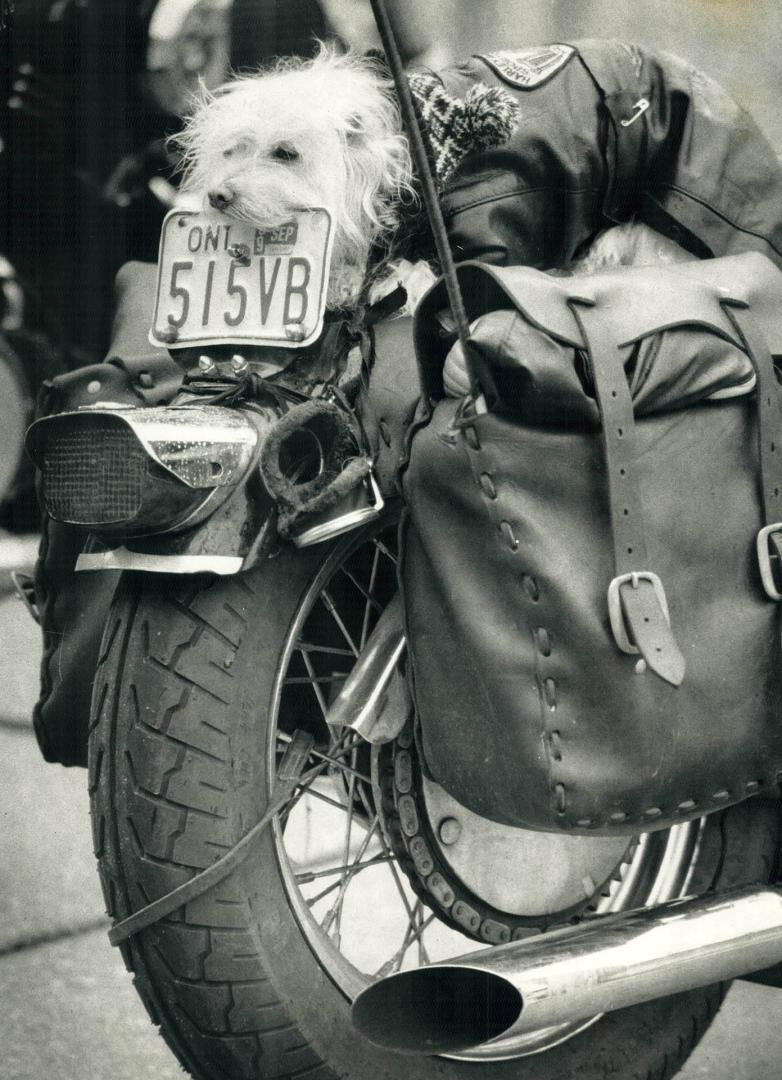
pixel 192 976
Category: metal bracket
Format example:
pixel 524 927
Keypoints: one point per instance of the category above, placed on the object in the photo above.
pixel 370 504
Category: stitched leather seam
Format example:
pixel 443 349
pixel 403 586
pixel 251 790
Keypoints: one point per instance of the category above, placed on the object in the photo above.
pixel 548 693
pixel 691 807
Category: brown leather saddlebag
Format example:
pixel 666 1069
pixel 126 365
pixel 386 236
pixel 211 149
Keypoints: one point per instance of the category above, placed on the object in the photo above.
pixel 591 567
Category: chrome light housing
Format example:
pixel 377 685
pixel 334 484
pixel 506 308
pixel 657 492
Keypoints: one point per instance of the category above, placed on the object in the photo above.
pixel 127 472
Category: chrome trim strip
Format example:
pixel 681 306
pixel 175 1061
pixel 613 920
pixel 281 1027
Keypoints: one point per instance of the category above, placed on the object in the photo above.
pixel 122 559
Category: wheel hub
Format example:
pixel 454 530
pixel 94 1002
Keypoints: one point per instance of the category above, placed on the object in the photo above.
pixel 491 881
pixel 516 870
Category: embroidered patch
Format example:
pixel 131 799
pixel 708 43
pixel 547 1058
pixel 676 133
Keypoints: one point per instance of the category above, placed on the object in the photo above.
pixel 528 68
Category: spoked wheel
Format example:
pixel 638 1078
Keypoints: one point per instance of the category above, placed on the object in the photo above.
pixel 371 867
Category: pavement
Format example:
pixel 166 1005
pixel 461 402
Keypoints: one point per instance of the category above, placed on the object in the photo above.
pixel 68 1010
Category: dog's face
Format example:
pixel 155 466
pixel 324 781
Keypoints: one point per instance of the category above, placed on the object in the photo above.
pixel 321 133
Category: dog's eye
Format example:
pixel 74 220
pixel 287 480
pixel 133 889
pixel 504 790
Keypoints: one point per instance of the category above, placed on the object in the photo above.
pixel 285 152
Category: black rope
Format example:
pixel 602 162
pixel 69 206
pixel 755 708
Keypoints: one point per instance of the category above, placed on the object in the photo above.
pixel 227 389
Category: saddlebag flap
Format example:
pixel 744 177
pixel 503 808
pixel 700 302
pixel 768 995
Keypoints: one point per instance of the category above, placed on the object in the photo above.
pixel 590 568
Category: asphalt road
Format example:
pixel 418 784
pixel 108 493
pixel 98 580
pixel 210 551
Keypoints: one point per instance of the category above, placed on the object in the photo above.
pixel 68 1010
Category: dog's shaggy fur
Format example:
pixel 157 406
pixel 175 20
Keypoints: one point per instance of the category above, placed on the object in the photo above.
pixel 327 132
pixel 324 132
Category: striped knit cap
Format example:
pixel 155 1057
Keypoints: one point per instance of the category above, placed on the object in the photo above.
pixel 456 127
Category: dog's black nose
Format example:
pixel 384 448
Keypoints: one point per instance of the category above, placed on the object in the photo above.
pixel 221 197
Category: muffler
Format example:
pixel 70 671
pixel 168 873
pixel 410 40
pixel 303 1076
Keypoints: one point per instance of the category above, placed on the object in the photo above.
pixel 569 975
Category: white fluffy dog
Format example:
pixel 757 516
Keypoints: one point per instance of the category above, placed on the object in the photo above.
pixel 324 132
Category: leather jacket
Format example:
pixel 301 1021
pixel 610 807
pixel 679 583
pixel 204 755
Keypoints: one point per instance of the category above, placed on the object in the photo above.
pixel 612 132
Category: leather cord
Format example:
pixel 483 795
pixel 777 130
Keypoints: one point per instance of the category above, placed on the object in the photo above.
pixel 635 589
pixel 288 777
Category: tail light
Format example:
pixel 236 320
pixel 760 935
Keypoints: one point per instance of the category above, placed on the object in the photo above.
pixel 133 472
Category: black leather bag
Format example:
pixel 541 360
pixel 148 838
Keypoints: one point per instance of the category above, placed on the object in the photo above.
pixel 590 567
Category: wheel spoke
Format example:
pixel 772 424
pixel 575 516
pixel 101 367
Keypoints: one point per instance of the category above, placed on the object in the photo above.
pixel 423 955
pixel 301 790
pixel 412 935
pixel 354 869
pixel 326 799
pixel 348 829
pixel 348 769
pixel 335 911
pixel 334 760
pixel 343 745
pixel 343 621
pixel 367 606
pixel 306 646
pixel 367 594
pixel 313 680
pixel 306 877
pixel 312 901
pixel 386 551
pixel 331 607
pixel 335 677
pixel 392 867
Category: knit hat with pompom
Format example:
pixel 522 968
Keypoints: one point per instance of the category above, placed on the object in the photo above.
pixel 455 127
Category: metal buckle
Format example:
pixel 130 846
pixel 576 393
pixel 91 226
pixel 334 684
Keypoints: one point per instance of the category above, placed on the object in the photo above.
pixel 764 560
pixel 615 605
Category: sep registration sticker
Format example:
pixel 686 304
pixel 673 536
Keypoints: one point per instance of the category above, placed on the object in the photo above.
pixel 222 281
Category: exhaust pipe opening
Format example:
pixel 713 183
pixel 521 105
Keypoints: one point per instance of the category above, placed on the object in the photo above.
pixel 573 974
pixel 436 1010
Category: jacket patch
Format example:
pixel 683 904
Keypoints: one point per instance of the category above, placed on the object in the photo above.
pixel 528 68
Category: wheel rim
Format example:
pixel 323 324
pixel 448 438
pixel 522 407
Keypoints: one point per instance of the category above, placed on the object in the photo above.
pixel 351 898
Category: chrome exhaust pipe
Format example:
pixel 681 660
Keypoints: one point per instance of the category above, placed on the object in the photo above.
pixel 606 963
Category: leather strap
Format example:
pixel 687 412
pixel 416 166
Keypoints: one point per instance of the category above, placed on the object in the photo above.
pixel 769 413
pixel 288 778
pixel 638 591
pixel 769 441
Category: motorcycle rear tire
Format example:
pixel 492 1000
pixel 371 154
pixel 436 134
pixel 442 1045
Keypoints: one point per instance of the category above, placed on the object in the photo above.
pixel 178 775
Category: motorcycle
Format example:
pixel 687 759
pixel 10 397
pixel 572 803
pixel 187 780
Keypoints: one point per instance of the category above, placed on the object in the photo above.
pixel 292 888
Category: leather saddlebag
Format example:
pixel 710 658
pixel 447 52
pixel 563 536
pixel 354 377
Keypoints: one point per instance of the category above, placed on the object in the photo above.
pixel 590 567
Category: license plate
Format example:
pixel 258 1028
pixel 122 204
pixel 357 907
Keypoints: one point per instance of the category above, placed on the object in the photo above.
pixel 223 281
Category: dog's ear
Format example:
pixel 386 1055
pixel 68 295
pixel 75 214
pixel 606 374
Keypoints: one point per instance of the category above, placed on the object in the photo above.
pixel 379 173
